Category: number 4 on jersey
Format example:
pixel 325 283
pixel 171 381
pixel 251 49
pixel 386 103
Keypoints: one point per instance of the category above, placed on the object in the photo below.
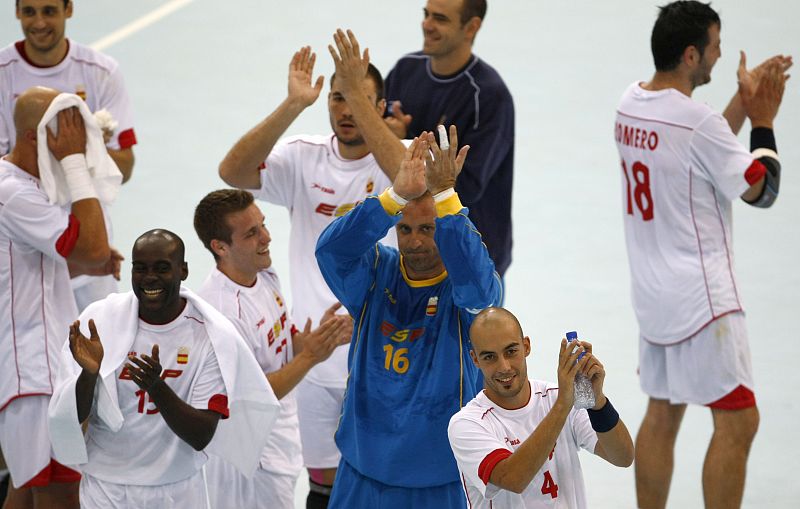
pixel 549 487
pixel 641 192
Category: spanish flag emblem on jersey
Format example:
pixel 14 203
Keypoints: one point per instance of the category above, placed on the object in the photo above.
pixel 80 91
pixel 183 355
pixel 370 186
pixel 278 299
pixel 432 307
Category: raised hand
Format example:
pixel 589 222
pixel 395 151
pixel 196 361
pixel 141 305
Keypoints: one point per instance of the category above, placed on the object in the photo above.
pixel 595 372
pixel 351 64
pixel 399 121
pixel 444 166
pixel 71 137
pixel 301 70
pixel 410 180
pixel 764 108
pixel 145 370
pixel 319 344
pixel 87 352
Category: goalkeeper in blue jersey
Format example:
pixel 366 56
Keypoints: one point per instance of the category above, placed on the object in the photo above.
pixel 409 362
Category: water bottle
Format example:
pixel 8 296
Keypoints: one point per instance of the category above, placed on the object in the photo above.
pixel 584 395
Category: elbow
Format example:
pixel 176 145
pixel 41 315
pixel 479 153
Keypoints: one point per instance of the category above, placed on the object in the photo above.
pixel 199 443
pixel 225 173
pixel 626 459
pixel 96 255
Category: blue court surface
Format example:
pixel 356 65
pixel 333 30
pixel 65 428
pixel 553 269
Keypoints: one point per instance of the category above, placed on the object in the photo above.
pixel 202 75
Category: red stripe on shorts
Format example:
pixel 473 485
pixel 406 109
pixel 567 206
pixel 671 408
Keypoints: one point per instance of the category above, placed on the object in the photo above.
pixel 738 399
pixel 54 472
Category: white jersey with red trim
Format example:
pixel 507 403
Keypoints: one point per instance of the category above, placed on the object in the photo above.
pixel 307 175
pixel 260 315
pixel 36 301
pixel 145 451
pixel 482 434
pixel 681 168
pixel 90 74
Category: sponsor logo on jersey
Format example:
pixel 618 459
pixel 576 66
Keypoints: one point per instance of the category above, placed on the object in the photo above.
pixel 80 91
pixel 432 307
pixel 183 355
pixel 323 188
pixel 261 322
pixel 327 209
pixel 512 441
pixel 370 186
pixel 401 335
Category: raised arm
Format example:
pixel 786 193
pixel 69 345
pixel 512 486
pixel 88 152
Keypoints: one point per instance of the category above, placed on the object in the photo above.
pixel 193 426
pixel 614 442
pixel 517 471
pixel 88 353
pixel 737 110
pixel 240 167
pixel 351 70
pixel 69 147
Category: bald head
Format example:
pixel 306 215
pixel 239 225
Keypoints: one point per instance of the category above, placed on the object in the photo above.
pixel 163 240
pixel 30 108
pixel 489 322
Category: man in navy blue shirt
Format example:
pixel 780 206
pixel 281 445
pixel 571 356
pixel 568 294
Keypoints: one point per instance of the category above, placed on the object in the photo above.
pixel 446 83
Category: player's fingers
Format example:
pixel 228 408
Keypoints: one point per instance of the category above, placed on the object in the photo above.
pixel 461 158
pixel 93 331
pixel 155 354
pixel 338 38
pixel 334 55
pixel 453 137
pixel 365 57
pixel 397 110
pixel 140 363
pixel 334 307
pixel 312 59
pixel 353 43
pixel 307 327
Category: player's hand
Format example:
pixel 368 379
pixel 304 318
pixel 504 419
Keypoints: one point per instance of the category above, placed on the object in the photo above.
pixel 444 166
pixel 319 344
pixel 761 105
pixel 330 312
pixel 410 180
pixel 112 267
pixel 593 370
pixel 108 134
pixel 145 370
pixel 568 367
pixel 87 352
pixel 301 70
pixel 399 121
pixel 351 64
pixel 71 137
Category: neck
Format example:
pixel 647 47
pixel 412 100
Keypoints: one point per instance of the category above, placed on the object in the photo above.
pixel 241 278
pixel 422 275
pixel 163 315
pixel 514 402
pixel 352 151
pixel 665 80
pixel 24 159
pixel 451 63
pixel 47 58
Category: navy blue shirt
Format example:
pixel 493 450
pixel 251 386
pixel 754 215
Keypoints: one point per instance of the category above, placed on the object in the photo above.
pixel 477 101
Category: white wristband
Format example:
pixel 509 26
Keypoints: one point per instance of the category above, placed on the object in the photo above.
pixel 396 197
pixel 77 176
pixel 447 193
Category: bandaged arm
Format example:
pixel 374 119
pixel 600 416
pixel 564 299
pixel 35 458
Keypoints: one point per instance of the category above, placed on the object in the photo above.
pixel 764 191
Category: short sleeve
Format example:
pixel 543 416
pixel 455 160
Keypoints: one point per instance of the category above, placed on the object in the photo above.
pixel 280 174
pixel 477 452
pixel 116 100
pixel 208 392
pixel 29 218
pixel 719 156
pixel 583 434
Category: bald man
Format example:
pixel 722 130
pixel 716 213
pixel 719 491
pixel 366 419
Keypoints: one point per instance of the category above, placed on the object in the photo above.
pixel 516 443
pixel 38 241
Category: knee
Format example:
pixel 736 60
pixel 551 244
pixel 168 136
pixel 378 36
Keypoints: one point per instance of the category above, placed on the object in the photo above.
pixel 739 427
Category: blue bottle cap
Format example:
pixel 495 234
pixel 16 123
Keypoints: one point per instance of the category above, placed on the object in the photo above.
pixel 572 335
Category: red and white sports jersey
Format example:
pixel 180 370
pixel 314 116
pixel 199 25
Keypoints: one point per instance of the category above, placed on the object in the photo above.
pixel 36 301
pixel 88 73
pixel 482 434
pixel 681 168
pixel 260 315
pixel 308 176
pixel 145 451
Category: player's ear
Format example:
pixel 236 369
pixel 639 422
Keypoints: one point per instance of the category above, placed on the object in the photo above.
pixel 474 357
pixel 526 343
pixel 472 26
pixel 218 247
pixel 68 10
pixel 381 107
pixel 691 56
pixel 184 271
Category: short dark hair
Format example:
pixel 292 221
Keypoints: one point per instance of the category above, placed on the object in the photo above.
pixel 66 2
pixel 472 8
pixel 180 248
pixel 679 25
pixel 375 75
pixel 210 215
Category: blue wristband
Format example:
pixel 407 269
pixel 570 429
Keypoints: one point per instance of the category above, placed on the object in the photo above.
pixel 604 419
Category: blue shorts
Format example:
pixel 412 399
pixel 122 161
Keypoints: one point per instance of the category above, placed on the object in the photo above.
pixel 351 489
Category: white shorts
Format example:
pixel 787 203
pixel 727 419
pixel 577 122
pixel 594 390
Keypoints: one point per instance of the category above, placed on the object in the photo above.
pixel 229 489
pixel 97 494
pixel 25 438
pixel 702 369
pixel 318 410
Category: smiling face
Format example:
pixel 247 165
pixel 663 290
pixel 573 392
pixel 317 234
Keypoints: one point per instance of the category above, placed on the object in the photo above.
pixel 43 24
pixel 711 53
pixel 499 350
pixel 248 251
pixel 156 274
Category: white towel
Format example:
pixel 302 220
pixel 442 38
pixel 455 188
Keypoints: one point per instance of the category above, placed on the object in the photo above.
pixel 106 177
pixel 251 401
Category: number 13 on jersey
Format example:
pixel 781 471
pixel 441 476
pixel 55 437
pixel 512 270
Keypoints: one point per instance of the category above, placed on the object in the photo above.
pixel 640 193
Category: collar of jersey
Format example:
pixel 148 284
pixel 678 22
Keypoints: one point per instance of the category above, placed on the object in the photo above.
pixel 422 282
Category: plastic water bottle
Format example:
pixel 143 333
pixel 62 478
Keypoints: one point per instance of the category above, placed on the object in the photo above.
pixel 584 394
